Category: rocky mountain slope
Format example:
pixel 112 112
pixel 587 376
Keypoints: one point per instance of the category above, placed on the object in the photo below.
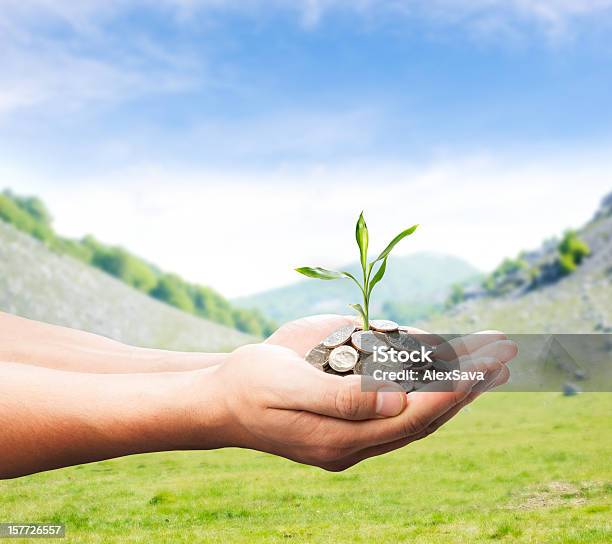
pixel 40 284
pixel 580 302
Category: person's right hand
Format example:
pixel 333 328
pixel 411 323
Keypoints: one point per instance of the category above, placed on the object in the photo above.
pixel 269 399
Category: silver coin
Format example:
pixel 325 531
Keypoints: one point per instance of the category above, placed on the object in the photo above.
pixel 343 358
pixel 422 366
pixel 406 385
pixel 358 367
pixel 410 343
pixel 383 325
pixel 339 337
pixel 395 339
pixel 366 341
pixel 444 366
pixel 341 374
pixel 318 355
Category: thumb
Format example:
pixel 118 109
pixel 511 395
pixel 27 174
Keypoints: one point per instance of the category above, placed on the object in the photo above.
pixel 344 397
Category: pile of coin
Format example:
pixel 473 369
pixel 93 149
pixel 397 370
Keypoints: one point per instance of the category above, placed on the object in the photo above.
pixel 347 350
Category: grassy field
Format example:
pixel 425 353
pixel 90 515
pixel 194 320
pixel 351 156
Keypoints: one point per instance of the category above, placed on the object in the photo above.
pixel 514 467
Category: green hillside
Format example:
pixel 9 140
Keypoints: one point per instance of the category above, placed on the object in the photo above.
pixel 539 293
pixel 30 215
pixel 38 283
pixel 415 286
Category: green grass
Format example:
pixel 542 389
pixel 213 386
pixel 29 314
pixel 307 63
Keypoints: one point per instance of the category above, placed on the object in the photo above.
pixel 511 468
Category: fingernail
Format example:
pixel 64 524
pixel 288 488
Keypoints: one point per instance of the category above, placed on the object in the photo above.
pixel 389 403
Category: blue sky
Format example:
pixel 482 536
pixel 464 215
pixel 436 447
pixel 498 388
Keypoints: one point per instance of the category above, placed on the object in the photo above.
pixel 471 110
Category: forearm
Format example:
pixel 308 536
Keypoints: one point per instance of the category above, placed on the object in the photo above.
pixel 31 342
pixel 51 418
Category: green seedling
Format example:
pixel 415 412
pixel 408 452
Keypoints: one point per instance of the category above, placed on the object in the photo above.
pixel 368 282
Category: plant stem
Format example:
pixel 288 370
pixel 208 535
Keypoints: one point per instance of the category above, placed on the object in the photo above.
pixel 366 298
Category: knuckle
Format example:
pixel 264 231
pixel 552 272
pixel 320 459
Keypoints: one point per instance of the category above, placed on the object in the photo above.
pixel 349 401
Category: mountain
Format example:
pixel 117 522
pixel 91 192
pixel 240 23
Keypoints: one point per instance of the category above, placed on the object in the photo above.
pixel 536 297
pixel 38 283
pixel 30 215
pixel 419 282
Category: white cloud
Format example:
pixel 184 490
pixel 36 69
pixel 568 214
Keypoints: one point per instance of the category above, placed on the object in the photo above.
pixel 58 57
pixel 244 231
pixel 60 54
pixel 49 77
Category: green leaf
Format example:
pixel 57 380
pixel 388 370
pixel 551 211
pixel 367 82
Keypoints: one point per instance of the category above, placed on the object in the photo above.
pixel 378 276
pixel 361 234
pixel 349 275
pixel 320 273
pixel 395 241
pixel 360 310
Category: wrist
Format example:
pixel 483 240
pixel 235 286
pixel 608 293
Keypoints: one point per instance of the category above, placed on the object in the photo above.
pixel 158 360
pixel 200 418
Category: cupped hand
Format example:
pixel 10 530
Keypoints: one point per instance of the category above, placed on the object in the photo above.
pixel 274 401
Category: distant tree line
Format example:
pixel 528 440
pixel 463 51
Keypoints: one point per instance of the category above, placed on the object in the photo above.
pixel 30 215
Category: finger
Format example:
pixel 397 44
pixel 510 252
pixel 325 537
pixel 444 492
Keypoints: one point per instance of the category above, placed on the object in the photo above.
pixel 424 336
pixel 380 449
pixel 464 345
pixel 351 437
pixel 421 410
pixel 502 350
pixel 303 334
pixel 342 397
pixel 496 380
pixel 350 397
pixel 387 447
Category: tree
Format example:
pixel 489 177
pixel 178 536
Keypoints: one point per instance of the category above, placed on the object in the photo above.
pixel 572 250
pixel 248 321
pixel 123 265
pixel 209 304
pixel 11 212
pixel 172 290
pixel 35 207
pixel 456 296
